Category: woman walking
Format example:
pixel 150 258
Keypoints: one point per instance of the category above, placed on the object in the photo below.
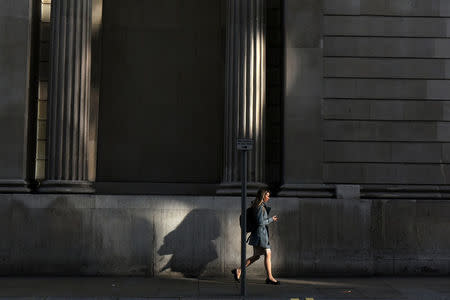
pixel 259 237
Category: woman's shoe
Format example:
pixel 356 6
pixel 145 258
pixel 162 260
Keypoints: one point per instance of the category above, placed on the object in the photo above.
pixel 268 281
pixel 234 272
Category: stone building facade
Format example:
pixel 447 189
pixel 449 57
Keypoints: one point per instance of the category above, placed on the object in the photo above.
pixel 119 122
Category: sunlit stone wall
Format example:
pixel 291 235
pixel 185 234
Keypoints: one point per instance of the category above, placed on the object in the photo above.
pixel 200 236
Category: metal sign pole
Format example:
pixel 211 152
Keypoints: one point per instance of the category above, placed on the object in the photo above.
pixel 244 222
pixel 244 145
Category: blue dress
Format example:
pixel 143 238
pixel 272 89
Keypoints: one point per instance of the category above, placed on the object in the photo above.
pixel 260 236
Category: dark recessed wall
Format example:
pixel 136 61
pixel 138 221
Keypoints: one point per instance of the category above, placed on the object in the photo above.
pixel 274 83
pixel 162 92
pixel 16 38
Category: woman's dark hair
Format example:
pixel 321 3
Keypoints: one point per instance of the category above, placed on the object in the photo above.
pixel 259 197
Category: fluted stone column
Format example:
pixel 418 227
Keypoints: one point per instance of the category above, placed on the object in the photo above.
pixel 245 92
pixel 69 90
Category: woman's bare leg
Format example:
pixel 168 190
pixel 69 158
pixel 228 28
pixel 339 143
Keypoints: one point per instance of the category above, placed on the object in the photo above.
pixel 268 264
pixel 248 262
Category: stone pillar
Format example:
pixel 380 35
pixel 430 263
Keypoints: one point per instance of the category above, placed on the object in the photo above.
pixel 303 85
pixel 245 92
pixel 69 90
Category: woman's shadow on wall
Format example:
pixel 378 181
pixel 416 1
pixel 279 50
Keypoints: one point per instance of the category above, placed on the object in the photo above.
pixel 191 243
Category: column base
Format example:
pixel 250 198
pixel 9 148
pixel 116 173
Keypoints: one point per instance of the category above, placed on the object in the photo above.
pixel 66 187
pixel 14 186
pixel 308 190
pixel 234 188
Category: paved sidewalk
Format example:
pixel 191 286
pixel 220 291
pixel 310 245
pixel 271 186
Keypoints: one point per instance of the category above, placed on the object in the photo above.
pixel 139 288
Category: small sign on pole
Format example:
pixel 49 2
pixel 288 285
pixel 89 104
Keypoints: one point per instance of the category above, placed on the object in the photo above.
pixel 244 144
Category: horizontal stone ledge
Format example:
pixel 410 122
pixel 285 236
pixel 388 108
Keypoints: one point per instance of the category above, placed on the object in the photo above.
pixel 404 195
pixel 405 192
pixel 154 188
pixel 382 173
pixel 235 188
pixel 362 99
pixel 387 68
pixel 352 191
pixel 386 110
pixel 386 152
pixel 66 186
pixel 392 131
pixel 415 188
pixel 387 47
pixel 386 88
pixel 14 186
pixel 432 8
pixel 307 191
pixel 386 26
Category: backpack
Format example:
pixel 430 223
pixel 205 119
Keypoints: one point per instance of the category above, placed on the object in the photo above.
pixel 251 223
